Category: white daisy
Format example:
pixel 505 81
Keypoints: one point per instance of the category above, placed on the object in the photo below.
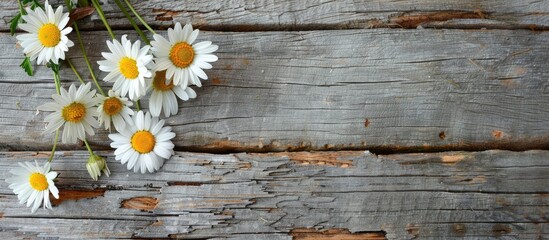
pixel 76 109
pixel 144 143
pixel 33 184
pixel 47 34
pixel 126 65
pixel 114 108
pixel 163 95
pixel 183 60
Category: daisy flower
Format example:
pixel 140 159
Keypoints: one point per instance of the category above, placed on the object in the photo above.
pixel 33 184
pixel 163 95
pixel 183 60
pixel 47 34
pixel 126 65
pixel 144 143
pixel 116 109
pixel 76 110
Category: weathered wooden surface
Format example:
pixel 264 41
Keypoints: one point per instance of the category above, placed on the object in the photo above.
pixel 300 194
pixel 247 15
pixel 351 89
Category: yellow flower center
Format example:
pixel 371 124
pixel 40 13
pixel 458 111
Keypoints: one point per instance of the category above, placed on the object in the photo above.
pixel 74 112
pixel 182 55
pixel 143 141
pixel 112 106
pixel 49 35
pixel 159 82
pixel 128 68
pixel 38 181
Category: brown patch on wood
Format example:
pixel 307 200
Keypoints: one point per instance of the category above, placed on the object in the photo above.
pixel 181 183
pixel 1 215
pixel 140 203
pixel 500 229
pixel 366 122
pixel 412 230
pixel 165 15
pixel 229 67
pixel 452 159
pixel 415 20
pixel 67 195
pixel 246 61
pixel 321 158
pixel 418 158
pixel 442 135
pixel 333 234
pixel 459 229
pixel 509 83
pixel 217 81
pixel 497 134
pixel 245 165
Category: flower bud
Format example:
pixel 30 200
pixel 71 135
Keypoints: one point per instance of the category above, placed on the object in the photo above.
pixel 97 164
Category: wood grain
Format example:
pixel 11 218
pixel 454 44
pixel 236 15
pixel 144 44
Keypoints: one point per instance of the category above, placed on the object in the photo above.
pixel 248 15
pixel 246 196
pixel 383 90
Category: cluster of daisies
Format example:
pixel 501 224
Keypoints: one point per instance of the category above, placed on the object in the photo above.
pixel 166 68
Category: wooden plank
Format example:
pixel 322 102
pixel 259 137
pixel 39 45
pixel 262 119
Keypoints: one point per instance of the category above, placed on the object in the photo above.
pixel 248 15
pixel 329 90
pixel 301 194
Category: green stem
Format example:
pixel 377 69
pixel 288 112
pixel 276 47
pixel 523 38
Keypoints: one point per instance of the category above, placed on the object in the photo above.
pixel 58 89
pixel 88 147
pixel 86 59
pixel 75 72
pixel 54 145
pixel 21 8
pixel 83 3
pixel 137 105
pixel 132 22
pixel 57 81
pixel 139 17
pixel 97 7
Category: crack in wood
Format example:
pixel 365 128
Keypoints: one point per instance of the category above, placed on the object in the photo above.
pixel 335 233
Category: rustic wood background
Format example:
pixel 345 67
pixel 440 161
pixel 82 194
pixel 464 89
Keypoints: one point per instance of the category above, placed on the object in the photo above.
pixel 361 120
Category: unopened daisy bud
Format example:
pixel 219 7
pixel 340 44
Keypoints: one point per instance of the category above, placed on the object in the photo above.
pixel 95 165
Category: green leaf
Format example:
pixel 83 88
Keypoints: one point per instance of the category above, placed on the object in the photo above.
pixel 34 3
pixel 14 22
pixel 27 66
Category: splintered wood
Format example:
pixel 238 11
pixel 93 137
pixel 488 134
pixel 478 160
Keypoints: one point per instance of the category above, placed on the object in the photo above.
pixel 485 194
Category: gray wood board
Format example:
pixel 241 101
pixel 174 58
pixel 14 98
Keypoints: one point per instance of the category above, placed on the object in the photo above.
pixel 382 89
pixel 277 195
pixel 247 15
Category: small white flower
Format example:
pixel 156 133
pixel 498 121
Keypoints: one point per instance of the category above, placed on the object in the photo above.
pixel 114 108
pixel 76 109
pixel 126 65
pixel 96 165
pixel 183 60
pixel 144 143
pixel 163 95
pixel 47 34
pixel 33 184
